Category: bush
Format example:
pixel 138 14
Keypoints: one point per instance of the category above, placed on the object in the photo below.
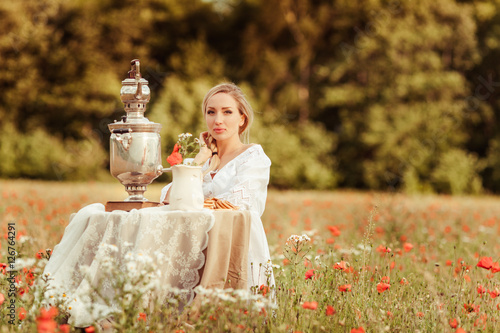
pixel 40 155
pixel 457 173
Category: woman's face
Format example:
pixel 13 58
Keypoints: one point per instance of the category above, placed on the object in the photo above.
pixel 223 118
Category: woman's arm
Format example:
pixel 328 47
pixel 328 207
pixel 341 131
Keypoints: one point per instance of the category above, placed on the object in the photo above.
pixel 249 188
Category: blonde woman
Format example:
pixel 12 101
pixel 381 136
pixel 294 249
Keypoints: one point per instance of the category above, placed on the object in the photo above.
pixel 235 170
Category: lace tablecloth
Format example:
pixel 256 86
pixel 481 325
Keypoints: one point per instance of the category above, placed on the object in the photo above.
pixel 176 242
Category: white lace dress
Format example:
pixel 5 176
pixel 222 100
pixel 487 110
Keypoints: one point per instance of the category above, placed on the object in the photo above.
pixel 243 182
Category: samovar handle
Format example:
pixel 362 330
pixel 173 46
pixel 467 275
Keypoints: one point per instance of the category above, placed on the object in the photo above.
pixel 160 170
pixel 138 93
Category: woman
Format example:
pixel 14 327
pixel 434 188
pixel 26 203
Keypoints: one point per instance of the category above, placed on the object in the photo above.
pixel 235 171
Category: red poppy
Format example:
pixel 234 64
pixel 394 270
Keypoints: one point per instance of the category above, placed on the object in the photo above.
pixel 383 249
pixel 90 329
pixel 264 289
pixel 460 330
pixel 2 298
pixel 407 247
pixel 345 287
pixel 385 279
pixel 340 265
pixel 494 293
pixel 453 323
pixel 45 323
pixel 174 158
pixel 480 289
pixel 495 267
pixel 50 313
pixel 485 262
pixel 330 311
pixel 420 314
pixel 471 307
pixel 22 314
pixel 46 326
pixel 64 328
pixel 142 316
pixel 403 282
pixel 381 287
pixel 310 305
pixel 309 274
pixel 334 230
pixel 358 330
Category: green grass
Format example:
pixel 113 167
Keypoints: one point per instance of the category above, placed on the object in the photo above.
pixel 435 244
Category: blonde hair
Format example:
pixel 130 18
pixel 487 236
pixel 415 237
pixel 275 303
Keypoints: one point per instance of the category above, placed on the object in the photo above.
pixel 244 108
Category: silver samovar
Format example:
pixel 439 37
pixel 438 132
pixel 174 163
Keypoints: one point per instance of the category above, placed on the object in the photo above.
pixel 135 149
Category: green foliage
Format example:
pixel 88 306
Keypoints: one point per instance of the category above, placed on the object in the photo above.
pixel 400 94
pixel 38 154
pixel 302 157
pixel 389 88
pixel 457 173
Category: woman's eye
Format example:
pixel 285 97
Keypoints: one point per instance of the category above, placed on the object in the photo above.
pixel 228 112
pixel 210 112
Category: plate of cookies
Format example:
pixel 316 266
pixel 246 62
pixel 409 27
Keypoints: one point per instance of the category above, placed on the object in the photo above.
pixel 219 204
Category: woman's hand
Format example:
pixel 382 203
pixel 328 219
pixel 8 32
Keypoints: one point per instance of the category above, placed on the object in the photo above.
pixel 205 152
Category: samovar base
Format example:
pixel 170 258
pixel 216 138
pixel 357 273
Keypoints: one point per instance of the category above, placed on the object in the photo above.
pixel 129 205
pixel 135 192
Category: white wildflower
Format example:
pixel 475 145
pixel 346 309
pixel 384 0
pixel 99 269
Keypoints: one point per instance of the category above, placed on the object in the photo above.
pixel 299 239
pixel 131 266
pixel 23 263
pixel 23 239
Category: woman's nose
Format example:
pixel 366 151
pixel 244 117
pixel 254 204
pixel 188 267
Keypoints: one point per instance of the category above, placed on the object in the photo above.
pixel 218 118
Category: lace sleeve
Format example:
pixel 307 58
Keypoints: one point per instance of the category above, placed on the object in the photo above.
pixel 249 191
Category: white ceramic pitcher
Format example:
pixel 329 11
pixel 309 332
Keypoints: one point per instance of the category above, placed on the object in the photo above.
pixel 186 192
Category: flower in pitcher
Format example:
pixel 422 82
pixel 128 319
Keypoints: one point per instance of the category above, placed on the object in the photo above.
pixel 186 147
pixel 175 157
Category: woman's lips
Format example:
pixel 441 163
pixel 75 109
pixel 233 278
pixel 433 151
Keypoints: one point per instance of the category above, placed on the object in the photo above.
pixel 218 130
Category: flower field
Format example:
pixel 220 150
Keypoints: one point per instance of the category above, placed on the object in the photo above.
pixel 343 262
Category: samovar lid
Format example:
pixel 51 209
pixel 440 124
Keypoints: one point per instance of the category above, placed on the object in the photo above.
pixel 135 88
pixel 135 94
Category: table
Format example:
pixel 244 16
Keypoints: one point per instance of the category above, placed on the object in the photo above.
pixel 207 248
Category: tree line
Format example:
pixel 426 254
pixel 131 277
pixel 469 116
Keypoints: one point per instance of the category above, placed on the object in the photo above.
pixel 383 95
